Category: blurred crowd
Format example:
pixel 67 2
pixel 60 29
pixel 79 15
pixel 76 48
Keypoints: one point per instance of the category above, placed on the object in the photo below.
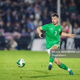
pixel 20 18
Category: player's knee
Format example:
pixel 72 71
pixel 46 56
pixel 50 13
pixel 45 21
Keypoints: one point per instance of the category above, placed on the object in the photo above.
pixel 52 50
pixel 57 62
pixel 54 47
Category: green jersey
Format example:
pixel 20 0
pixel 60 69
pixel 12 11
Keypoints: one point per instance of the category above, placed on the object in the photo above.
pixel 52 34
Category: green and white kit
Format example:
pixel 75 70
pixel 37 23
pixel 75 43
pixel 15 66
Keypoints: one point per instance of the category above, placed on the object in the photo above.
pixel 52 35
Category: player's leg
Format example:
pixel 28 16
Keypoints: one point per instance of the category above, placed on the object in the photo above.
pixel 63 66
pixel 52 56
pixel 65 41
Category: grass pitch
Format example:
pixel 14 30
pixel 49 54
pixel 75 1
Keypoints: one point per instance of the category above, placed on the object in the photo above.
pixel 36 67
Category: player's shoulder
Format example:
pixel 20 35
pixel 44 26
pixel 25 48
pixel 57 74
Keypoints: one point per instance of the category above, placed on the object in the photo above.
pixel 50 23
pixel 47 25
pixel 60 26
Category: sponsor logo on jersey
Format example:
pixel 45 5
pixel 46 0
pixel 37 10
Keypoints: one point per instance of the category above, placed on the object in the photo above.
pixel 59 29
pixel 51 28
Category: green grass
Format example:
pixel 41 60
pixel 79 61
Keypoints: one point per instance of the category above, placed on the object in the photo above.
pixel 36 67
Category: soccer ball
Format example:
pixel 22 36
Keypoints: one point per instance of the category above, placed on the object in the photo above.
pixel 21 63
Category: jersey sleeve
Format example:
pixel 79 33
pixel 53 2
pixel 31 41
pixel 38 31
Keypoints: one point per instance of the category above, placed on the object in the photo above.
pixel 45 27
pixel 60 30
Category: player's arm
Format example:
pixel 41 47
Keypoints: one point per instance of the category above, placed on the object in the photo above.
pixel 39 30
pixel 67 35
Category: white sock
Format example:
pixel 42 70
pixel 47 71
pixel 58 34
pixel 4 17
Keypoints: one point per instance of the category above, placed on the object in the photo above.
pixel 69 69
pixel 50 63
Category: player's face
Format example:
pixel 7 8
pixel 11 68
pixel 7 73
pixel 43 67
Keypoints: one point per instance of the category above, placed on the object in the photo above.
pixel 55 20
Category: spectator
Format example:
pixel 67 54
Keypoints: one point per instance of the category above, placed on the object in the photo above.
pixel 20 18
pixel 66 30
pixel 13 44
pixel 8 27
pixel 37 21
pixel 30 24
pixel 8 16
pixel 69 25
pixel 16 27
pixel 76 30
pixel 15 16
pixel 2 41
pixel 1 24
pixel 45 17
pixel 72 6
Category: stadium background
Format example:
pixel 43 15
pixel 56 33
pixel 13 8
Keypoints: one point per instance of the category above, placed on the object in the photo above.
pixel 18 22
pixel 20 18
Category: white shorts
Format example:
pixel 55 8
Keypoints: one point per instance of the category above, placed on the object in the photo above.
pixel 48 50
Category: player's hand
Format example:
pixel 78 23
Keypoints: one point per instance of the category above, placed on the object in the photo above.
pixel 72 35
pixel 40 35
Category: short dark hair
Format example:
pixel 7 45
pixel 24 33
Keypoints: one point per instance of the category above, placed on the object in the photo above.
pixel 54 14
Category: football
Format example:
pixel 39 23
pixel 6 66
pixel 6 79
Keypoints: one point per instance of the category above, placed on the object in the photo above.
pixel 21 63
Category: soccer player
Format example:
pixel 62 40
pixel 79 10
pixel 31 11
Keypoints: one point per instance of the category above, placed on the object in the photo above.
pixel 53 31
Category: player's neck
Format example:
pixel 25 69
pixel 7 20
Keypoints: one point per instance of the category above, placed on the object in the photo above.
pixel 55 25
